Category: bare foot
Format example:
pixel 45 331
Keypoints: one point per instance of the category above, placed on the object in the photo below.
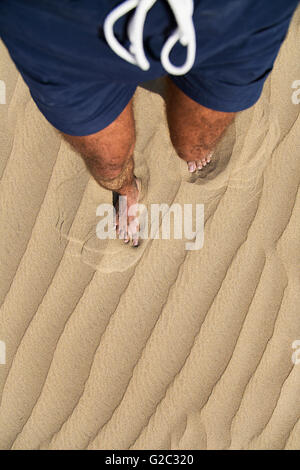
pixel 198 164
pixel 127 225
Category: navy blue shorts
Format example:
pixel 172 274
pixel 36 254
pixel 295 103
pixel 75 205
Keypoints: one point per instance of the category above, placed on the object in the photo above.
pixel 81 85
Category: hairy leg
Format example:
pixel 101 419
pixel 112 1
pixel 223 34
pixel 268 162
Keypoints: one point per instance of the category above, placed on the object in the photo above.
pixel 194 129
pixel 108 154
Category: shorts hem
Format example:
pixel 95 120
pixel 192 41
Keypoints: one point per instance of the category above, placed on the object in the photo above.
pixel 235 101
pixel 88 126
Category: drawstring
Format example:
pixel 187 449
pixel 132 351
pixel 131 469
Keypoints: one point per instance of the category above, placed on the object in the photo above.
pixel 184 33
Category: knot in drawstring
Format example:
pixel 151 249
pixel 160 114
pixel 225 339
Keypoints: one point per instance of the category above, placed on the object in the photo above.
pixel 184 33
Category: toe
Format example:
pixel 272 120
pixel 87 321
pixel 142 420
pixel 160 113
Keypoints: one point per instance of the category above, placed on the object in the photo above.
pixel 133 231
pixel 135 240
pixel 126 237
pixel 191 167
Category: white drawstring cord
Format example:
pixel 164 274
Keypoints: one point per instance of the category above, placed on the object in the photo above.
pixel 184 33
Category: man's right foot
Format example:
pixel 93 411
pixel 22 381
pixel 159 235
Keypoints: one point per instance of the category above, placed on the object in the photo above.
pixel 198 164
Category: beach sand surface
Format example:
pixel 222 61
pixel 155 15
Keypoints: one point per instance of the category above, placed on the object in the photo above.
pixel 159 347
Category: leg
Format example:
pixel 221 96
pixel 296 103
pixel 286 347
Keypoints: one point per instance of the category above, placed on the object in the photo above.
pixel 194 129
pixel 108 154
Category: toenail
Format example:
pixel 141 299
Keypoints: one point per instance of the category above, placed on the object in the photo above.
pixel 135 242
pixel 191 166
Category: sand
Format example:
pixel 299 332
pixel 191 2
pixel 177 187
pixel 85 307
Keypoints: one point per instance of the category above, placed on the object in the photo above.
pixel 108 347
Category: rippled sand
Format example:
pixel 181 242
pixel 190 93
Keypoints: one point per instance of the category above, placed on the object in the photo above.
pixel 159 347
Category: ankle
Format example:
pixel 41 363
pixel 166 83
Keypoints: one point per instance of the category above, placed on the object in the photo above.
pixel 128 188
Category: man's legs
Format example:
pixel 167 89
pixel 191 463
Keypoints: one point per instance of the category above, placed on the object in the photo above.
pixel 194 129
pixel 108 154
